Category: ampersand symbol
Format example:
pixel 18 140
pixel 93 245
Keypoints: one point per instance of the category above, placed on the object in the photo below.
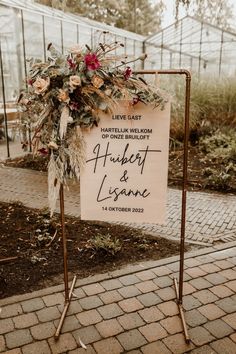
pixel 124 178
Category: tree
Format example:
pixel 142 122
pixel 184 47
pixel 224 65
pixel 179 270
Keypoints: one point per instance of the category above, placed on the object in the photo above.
pixel 140 16
pixel 216 12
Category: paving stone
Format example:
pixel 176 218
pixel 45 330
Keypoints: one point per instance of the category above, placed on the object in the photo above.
pixel 26 320
pixel 93 289
pixel 111 284
pixel 88 335
pixel 166 294
pixel 18 338
pixel 136 351
pixel 191 262
pixel 221 291
pixel 155 347
pixel 194 318
pixel 131 339
pixel 149 299
pixel 169 308
pixel 6 326
pixel 109 328
pixel 70 324
pixel 172 324
pixel 108 346
pixel 174 266
pixel 205 349
pixel 190 302
pixel 43 331
pixel 215 279
pixel 231 320
pixel 110 296
pixel 228 304
pixel 130 305
pixel 79 293
pixel 54 299
pixel 64 343
pixel 233 337
pixel 200 336
pixel 153 332
pixel 110 311
pixel 205 296
pixel 38 347
pixel 2 344
pixel 188 289
pixel 48 314
pixel 87 318
pixel 130 320
pixel 147 286
pixel 151 314
pixel 146 275
pixel 224 346
pixel 89 350
pixel 177 345
pixel 90 302
pixel 223 264
pixel 211 311
pixel 200 283
pixel 129 279
pixel 13 351
pixel 231 285
pixel 10 311
pixel 74 308
pixel 210 268
pixel 129 291
pixel 33 305
pixel 219 328
pixel 163 270
pixel 195 272
pixel 228 274
pixel 163 282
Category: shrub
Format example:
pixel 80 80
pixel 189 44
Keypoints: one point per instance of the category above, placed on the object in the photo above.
pixel 105 244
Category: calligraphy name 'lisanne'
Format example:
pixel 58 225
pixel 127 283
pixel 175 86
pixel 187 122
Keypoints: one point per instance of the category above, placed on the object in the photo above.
pixel 124 158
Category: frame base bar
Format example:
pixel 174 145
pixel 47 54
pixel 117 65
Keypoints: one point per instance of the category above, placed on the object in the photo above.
pixel 181 312
pixel 67 304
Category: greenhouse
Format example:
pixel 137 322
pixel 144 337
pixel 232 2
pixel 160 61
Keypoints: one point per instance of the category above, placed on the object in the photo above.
pixel 27 28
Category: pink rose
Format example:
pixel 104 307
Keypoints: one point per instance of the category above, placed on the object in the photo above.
pixel 41 85
pixel 91 61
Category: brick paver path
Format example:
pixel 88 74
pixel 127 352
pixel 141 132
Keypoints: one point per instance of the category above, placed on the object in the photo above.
pixel 132 310
pixel 210 217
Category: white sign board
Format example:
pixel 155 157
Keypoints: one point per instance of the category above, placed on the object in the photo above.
pixel 125 177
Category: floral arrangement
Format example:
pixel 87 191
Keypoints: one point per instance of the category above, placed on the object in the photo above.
pixel 69 92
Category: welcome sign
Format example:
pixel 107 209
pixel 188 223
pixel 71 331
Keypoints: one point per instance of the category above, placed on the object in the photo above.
pixel 125 177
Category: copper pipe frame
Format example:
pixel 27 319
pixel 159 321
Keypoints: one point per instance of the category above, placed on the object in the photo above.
pixel 68 294
pixel 179 291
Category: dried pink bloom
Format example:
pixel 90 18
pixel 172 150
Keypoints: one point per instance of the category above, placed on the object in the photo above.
pixel 91 61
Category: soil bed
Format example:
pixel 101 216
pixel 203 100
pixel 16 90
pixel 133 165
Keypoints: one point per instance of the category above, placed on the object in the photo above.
pixel 92 248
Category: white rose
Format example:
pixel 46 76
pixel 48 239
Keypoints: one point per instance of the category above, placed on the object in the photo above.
pixel 74 81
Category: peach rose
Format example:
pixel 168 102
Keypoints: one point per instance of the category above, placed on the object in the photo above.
pixel 97 81
pixel 63 96
pixel 41 85
pixel 75 81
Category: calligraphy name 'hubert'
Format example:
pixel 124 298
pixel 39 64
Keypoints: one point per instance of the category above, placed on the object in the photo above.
pixel 125 157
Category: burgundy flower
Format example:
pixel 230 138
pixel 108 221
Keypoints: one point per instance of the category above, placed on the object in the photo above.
pixel 91 61
pixel 43 151
pixel 127 73
pixel 71 63
pixel 30 82
pixel 135 100
pixel 74 106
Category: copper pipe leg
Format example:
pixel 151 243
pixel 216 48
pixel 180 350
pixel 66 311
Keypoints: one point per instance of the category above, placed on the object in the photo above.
pixel 181 312
pixel 67 304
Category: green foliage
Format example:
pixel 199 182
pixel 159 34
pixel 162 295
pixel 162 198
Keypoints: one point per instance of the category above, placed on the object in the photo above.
pixel 219 145
pixel 212 106
pixel 105 244
pixel 140 16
